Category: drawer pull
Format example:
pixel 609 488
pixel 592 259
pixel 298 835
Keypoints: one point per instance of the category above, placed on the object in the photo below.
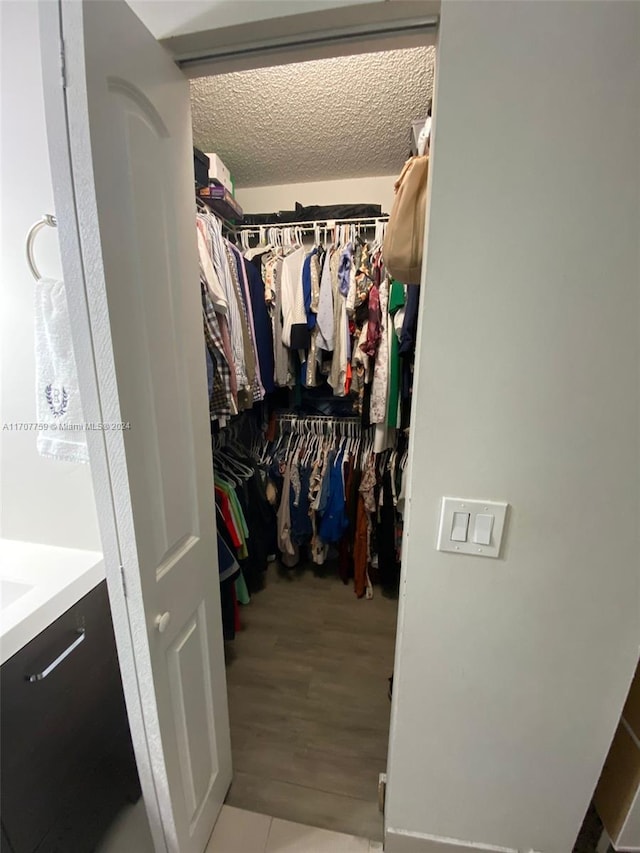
pixel 39 676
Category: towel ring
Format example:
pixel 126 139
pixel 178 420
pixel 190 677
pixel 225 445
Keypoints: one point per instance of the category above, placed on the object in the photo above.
pixel 47 219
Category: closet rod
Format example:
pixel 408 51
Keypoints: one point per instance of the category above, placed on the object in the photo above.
pixel 309 224
pixel 288 416
pixel 320 424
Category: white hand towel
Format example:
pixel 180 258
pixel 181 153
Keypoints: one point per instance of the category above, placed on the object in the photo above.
pixel 59 410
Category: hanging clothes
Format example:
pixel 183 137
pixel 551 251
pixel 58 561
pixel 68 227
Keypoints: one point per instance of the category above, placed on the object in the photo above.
pixel 283 370
pixel 396 315
pixel 221 397
pixel 325 306
pixel 336 501
pixel 294 319
pixel 242 331
pixel 309 317
pixel 263 332
pixel 380 384
pixel 338 373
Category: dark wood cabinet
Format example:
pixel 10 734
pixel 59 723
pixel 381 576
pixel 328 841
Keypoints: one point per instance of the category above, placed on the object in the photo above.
pixel 67 760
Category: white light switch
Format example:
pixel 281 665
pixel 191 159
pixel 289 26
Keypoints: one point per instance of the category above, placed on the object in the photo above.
pixel 470 526
pixel 482 529
pixel 460 526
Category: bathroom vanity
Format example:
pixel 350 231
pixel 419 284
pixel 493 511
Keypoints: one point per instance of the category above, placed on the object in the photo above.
pixel 67 757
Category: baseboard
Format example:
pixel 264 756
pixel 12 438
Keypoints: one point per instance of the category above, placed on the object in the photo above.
pixel 399 841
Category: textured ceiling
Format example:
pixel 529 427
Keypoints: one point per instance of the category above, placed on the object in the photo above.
pixel 311 121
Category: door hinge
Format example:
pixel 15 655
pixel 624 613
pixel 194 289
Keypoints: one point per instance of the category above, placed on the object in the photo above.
pixel 63 66
pixel 382 790
pixel 124 583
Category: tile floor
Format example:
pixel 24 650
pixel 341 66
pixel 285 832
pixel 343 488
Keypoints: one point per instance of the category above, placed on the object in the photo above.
pixel 238 831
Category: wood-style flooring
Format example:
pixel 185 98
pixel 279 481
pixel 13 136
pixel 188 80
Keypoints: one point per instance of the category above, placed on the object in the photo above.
pixel 307 680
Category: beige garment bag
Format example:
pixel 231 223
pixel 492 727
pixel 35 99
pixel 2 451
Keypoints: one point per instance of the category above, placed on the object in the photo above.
pixel 404 237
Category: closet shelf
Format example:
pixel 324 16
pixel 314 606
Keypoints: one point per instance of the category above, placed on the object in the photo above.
pixel 232 217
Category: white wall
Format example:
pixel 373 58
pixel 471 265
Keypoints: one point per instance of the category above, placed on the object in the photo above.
pixel 42 500
pixel 377 190
pixel 511 674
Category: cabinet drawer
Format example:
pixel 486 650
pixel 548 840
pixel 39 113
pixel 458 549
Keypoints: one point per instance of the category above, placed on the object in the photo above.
pixel 63 722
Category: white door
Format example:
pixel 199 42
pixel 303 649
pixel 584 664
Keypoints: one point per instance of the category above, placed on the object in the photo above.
pixel 121 155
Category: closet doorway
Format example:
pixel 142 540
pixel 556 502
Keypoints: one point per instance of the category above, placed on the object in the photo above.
pixel 309 670
pixel 317 658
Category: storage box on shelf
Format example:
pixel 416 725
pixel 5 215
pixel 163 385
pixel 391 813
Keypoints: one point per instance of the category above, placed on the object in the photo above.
pixel 221 202
pixel 218 172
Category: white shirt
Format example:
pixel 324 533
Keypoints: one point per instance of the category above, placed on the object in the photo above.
pixel 216 291
pixel 292 297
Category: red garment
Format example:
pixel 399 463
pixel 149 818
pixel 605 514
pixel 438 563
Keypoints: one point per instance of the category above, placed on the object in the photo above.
pixel 272 427
pixel 347 381
pixel 374 327
pixel 360 550
pixel 223 502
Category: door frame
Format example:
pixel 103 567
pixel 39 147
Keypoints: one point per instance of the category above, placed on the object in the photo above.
pixel 343 31
pixel 394 26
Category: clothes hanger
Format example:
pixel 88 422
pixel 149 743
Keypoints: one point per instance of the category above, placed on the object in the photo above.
pixel 346 432
pixel 423 139
pixel 222 472
pixel 297 447
pixel 240 450
pixel 308 449
pixel 286 453
pixel 318 448
pixel 272 448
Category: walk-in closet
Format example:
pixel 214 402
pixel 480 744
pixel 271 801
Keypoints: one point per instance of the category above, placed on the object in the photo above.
pixel 310 345
pixel 278 415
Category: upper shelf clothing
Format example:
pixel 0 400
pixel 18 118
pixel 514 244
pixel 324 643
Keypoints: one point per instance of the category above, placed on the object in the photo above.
pixel 301 317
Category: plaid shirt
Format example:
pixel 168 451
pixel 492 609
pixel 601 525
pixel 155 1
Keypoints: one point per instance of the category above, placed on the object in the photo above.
pixel 220 401
pixel 223 271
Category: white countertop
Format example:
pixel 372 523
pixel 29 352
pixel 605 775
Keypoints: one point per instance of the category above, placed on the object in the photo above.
pixel 38 583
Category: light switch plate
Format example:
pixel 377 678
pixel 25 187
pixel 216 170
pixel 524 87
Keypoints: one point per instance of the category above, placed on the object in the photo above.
pixel 474 507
